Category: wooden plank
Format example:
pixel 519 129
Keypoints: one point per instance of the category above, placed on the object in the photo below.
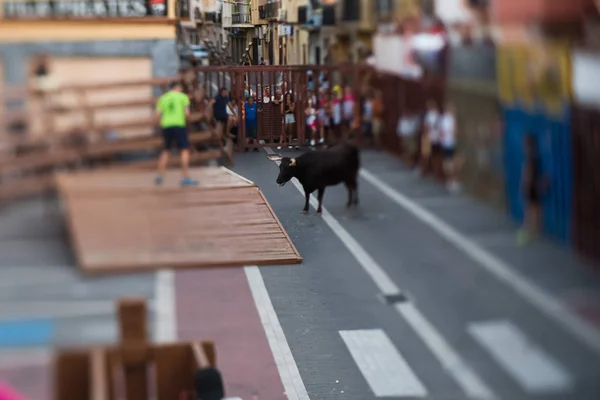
pixel 174 162
pixel 71 375
pixel 134 350
pixel 99 388
pixel 217 224
pixel 37 160
pixel 120 179
pixel 174 365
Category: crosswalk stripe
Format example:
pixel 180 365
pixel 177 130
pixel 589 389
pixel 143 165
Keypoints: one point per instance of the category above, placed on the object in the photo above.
pixel 534 370
pixel 382 365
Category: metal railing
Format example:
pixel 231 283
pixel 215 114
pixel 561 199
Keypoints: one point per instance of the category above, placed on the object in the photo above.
pixel 241 19
pixel 268 83
pixel 272 10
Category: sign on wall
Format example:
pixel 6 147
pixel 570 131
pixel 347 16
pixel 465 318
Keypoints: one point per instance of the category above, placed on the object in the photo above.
pixel 76 9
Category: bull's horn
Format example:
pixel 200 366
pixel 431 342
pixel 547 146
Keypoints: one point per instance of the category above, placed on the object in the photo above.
pixel 292 162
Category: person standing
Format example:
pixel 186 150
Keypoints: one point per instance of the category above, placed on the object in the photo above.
pixel 448 141
pixel 173 108
pixel 534 184
pixel 431 149
pixel 220 103
pixel 251 110
pixel 377 125
pixel 288 109
pixel 408 130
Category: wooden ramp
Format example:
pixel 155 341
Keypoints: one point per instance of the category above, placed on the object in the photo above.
pixel 120 222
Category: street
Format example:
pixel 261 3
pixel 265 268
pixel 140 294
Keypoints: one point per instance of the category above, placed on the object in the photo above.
pixel 415 294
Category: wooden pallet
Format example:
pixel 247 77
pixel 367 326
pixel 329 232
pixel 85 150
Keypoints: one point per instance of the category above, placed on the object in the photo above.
pixel 121 222
pixel 125 371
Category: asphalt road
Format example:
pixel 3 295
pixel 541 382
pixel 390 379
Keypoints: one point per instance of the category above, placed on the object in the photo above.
pixel 467 313
pixel 465 331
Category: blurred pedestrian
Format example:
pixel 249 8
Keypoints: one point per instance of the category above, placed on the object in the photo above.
pixel 220 106
pixel 311 123
pixel 408 130
pixel 378 109
pixel 448 130
pixel 288 109
pixel 534 184
pixel 251 110
pixel 431 149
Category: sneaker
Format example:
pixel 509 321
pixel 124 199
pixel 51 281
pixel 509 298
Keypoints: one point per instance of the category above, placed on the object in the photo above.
pixel 158 180
pixel 312 142
pixel 278 147
pixel 188 182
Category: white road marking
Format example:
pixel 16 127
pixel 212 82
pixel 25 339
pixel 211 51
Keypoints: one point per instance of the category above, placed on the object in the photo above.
pixel 286 365
pixel 382 365
pixel 468 380
pixel 535 371
pixel 165 318
pixel 553 308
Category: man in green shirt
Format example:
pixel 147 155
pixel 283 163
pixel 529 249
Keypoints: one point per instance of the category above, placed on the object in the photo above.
pixel 173 108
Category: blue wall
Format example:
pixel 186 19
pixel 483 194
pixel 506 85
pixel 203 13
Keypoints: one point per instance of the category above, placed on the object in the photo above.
pixel 553 136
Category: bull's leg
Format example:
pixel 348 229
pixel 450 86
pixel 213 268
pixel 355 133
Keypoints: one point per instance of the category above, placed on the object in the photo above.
pixel 355 192
pixel 307 198
pixel 320 198
pixel 350 194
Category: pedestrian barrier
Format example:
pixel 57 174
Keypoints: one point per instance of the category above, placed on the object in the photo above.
pixel 134 369
pixel 268 84
pixel 84 126
pixel 586 185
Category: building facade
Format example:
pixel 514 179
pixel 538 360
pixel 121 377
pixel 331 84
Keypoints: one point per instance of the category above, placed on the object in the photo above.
pixel 237 22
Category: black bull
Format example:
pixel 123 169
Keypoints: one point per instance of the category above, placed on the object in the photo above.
pixel 318 169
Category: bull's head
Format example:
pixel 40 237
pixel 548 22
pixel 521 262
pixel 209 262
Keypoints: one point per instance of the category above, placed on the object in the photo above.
pixel 286 170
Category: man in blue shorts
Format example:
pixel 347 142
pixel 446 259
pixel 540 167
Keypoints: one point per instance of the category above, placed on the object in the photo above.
pixel 173 108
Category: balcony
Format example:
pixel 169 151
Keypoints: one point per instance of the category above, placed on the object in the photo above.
pixel 241 18
pixel 329 15
pixel 272 11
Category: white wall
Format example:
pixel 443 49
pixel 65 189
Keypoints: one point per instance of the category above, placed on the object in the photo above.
pixel 227 10
pixel 586 73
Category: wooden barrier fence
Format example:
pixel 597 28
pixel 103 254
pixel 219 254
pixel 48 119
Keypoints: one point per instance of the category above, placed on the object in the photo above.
pixel 87 125
pixel 134 369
